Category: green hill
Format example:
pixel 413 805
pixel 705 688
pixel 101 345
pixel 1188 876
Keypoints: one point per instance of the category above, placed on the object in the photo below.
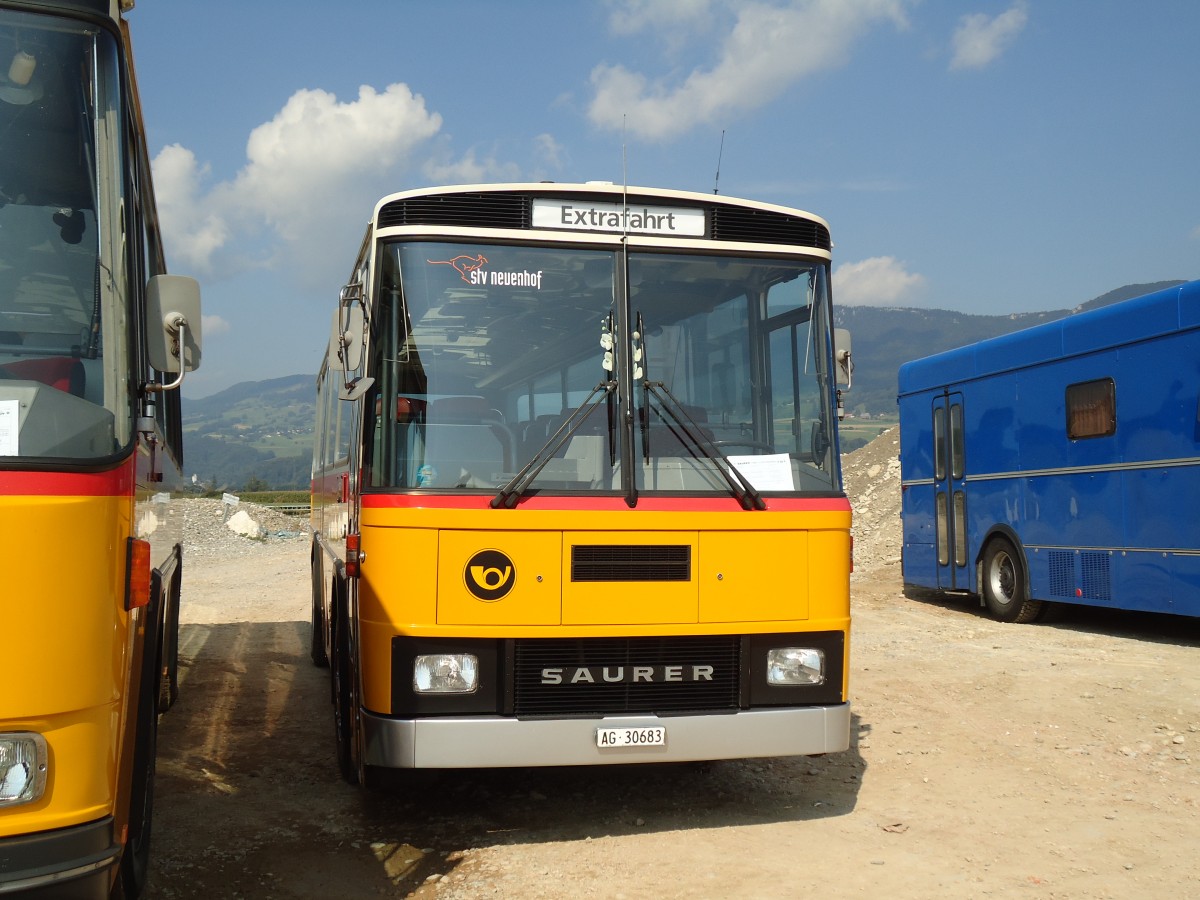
pixel 254 430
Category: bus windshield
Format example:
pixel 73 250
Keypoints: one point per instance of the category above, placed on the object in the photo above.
pixel 481 352
pixel 63 345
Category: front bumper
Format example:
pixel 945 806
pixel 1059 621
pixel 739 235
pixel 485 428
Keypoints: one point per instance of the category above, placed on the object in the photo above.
pixel 74 862
pixel 495 741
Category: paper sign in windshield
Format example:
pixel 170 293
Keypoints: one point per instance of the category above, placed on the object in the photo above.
pixel 10 426
pixel 772 472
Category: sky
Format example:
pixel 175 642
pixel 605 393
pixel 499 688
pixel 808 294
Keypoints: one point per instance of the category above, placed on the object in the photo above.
pixel 985 157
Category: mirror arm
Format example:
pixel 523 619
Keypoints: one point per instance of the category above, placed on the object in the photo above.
pixel 174 324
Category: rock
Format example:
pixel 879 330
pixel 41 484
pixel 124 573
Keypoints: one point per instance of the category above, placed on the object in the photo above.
pixel 241 522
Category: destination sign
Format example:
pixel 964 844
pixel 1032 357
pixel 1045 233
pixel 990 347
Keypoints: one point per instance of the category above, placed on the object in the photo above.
pixel 590 215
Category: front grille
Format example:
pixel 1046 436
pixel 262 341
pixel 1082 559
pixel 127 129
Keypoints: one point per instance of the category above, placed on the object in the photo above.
pixel 631 562
pixel 566 657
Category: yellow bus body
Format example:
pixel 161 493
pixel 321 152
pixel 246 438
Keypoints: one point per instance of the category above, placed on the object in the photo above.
pixel 515 564
pixel 746 577
pixel 59 679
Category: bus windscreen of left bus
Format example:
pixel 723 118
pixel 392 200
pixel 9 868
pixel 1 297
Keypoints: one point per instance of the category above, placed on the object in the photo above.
pixel 63 350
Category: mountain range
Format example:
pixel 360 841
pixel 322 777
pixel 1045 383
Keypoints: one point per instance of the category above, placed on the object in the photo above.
pixel 258 434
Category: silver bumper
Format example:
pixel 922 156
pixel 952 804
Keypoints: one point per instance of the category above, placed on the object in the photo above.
pixel 486 742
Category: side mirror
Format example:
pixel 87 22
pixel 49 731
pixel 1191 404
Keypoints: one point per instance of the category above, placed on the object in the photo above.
pixel 843 360
pixel 173 323
pixel 348 331
pixel 346 342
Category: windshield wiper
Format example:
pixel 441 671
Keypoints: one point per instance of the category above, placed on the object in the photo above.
pixel 739 486
pixel 745 493
pixel 519 483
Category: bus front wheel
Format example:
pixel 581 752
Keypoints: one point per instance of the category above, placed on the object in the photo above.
pixel 317 631
pixel 1004 590
pixel 341 666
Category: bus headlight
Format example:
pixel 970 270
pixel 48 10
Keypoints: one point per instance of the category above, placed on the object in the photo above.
pixel 446 673
pixel 795 665
pixel 23 763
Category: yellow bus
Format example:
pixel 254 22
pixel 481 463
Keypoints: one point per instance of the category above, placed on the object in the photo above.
pixel 94 339
pixel 576 487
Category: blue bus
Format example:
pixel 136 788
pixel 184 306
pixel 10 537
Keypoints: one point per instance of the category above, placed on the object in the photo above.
pixel 1060 464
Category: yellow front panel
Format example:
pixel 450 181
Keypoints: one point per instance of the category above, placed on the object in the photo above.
pixel 67 639
pixel 398 585
pixel 627 602
pixel 781 571
pixel 528 590
pixel 753 576
pixel 81 776
pixel 397 592
pixel 828 575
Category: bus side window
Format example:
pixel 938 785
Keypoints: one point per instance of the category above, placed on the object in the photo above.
pixel 1091 409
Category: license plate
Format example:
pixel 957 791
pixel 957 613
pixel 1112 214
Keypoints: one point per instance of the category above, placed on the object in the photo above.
pixel 631 737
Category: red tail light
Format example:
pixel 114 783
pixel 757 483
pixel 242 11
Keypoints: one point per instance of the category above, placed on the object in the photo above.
pixel 353 557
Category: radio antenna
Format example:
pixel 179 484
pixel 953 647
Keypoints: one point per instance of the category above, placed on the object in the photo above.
pixel 624 180
pixel 720 153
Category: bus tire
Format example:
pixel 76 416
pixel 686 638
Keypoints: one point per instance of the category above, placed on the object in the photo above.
pixel 168 672
pixel 316 649
pixel 135 858
pixel 1004 590
pixel 343 699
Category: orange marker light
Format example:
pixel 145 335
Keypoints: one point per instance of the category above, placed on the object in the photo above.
pixel 137 587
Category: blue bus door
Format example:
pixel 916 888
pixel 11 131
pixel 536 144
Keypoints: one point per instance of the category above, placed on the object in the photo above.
pixel 950 493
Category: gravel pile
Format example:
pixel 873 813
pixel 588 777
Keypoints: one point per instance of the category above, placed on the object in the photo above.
pixel 206 529
pixel 872 475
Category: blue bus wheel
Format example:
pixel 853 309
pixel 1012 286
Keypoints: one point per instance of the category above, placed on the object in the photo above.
pixel 1004 589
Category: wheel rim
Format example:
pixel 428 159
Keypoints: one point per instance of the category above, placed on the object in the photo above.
pixel 1002 577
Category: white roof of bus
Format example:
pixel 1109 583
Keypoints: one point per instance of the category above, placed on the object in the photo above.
pixel 600 188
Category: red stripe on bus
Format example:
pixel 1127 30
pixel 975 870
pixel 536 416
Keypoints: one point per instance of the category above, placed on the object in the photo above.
pixel 109 483
pixel 656 504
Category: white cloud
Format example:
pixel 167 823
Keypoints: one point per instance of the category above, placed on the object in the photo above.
pixel 315 168
pixel 674 22
pixel 468 169
pixel 210 326
pixel 979 40
pixel 631 16
pixel 549 152
pixel 768 48
pixel 878 281
pixel 194 232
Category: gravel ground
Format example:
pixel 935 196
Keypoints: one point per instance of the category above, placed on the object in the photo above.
pixel 1039 762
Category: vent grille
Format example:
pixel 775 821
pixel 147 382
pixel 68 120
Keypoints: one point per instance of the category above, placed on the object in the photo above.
pixel 472 210
pixel 633 562
pixel 1062 573
pixel 733 223
pixel 615 657
pixel 505 209
pixel 1095 576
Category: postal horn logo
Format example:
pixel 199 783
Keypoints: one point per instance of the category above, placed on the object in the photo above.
pixel 489 575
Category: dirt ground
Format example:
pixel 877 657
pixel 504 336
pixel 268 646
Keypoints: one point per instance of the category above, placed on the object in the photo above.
pixel 987 760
